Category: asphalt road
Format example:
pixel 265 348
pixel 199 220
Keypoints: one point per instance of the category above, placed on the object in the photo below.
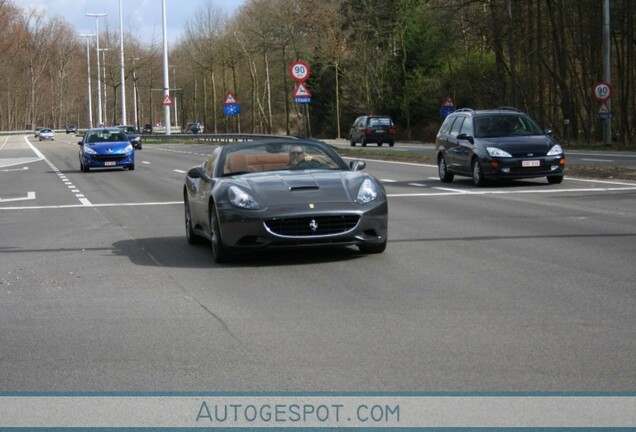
pixel 513 287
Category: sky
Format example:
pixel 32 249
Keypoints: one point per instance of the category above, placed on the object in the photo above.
pixel 141 17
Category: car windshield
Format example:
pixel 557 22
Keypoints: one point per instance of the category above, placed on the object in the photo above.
pixel 106 136
pixel 379 121
pixel 278 156
pixel 497 125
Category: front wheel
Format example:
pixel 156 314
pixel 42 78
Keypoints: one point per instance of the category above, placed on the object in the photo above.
pixel 219 250
pixel 442 170
pixel 191 237
pixel 478 174
pixel 555 179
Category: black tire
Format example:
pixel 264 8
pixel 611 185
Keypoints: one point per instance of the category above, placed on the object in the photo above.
pixel 191 237
pixel 442 170
pixel 379 144
pixel 363 142
pixel 391 144
pixel 478 173
pixel 131 167
pixel 84 167
pixel 220 252
pixel 557 179
pixel 352 142
pixel 373 248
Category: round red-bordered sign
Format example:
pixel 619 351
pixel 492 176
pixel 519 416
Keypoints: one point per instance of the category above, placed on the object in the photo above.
pixel 602 91
pixel 299 70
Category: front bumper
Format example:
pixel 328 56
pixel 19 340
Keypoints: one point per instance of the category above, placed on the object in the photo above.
pixel 109 161
pixel 513 168
pixel 330 225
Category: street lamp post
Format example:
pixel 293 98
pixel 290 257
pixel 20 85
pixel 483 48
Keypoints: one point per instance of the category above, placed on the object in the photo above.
pixel 88 67
pixel 97 16
pixel 121 59
pixel 103 51
pixel 166 78
pixel 134 59
pixel 174 81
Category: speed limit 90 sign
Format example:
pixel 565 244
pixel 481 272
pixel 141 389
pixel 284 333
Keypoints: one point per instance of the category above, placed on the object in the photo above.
pixel 602 91
pixel 299 70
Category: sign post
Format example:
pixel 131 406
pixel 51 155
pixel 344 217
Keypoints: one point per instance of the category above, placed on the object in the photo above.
pixel 299 71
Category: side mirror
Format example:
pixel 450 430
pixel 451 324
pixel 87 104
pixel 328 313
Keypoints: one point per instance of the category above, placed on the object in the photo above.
pixel 198 172
pixel 80 143
pixel 466 137
pixel 548 132
pixel 357 165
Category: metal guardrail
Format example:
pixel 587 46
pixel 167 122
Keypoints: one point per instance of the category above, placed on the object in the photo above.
pixel 224 137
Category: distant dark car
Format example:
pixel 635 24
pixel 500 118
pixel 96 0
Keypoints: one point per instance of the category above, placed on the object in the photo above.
pixel 372 129
pixel 247 196
pixel 502 143
pixel 193 128
pixel 71 128
pixel 133 135
pixel 106 148
pixel 147 129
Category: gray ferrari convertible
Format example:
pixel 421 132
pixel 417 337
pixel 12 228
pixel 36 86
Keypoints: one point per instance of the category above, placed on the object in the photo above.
pixel 283 193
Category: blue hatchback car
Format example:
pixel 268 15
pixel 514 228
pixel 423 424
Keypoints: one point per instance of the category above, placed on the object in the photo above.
pixel 106 148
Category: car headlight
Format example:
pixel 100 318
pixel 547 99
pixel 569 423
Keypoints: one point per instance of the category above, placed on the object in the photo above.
pixel 556 150
pixel 368 192
pixel 242 199
pixel 128 148
pixel 89 150
pixel 497 152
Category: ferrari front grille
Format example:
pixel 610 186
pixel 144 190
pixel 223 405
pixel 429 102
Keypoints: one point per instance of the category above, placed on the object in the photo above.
pixel 308 226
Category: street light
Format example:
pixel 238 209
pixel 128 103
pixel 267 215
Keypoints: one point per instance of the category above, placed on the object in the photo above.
pixel 176 121
pixel 166 78
pixel 97 16
pixel 88 62
pixel 134 59
pixel 121 58
pixel 103 51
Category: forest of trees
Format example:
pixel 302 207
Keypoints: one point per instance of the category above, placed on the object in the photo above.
pixel 395 57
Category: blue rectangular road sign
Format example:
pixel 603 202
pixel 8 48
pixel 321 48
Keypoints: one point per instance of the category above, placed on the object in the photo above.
pixel 231 109
pixel 302 99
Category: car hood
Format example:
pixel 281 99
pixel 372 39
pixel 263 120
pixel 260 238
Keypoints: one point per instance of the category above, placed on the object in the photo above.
pixel 540 144
pixel 109 147
pixel 293 187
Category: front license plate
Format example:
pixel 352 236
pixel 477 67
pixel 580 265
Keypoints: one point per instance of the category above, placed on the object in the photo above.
pixel 530 163
pixel 110 163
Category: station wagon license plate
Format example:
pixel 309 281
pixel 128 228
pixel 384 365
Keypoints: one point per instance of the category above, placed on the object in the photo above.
pixel 530 163
pixel 110 163
pixel 379 131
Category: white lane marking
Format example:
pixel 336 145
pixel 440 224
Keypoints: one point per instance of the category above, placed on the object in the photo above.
pixel 30 196
pixel 15 169
pixel 388 181
pixel 598 160
pixel 511 192
pixel 458 191
pixel 179 171
pixel 68 184
pixel 145 162
pixel 86 204
pixel 417 184
pixel 612 182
